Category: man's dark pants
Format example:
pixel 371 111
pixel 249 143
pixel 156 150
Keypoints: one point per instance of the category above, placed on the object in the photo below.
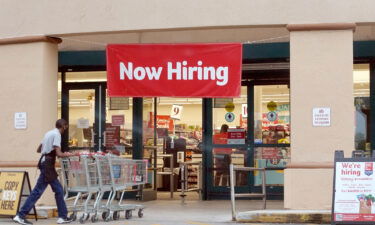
pixel 38 190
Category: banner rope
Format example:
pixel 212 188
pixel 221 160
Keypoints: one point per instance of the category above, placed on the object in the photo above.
pixel 82 41
pixel 267 39
pixel 104 44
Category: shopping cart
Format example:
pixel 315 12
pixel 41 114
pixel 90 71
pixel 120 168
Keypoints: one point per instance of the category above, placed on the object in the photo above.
pixel 80 175
pixel 124 174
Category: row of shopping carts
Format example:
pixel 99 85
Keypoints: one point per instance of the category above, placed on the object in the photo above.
pixel 92 176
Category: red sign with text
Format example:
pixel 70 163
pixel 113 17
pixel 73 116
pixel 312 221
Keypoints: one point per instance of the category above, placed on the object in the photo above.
pixel 162 121
pixel 118 120
pixel 174 70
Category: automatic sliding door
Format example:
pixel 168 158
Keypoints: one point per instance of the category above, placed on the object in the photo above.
pixel 229 140
pixel 271 132
pixel 81 119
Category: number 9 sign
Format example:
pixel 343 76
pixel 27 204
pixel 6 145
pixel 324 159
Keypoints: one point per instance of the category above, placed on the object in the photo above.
pixel 176 112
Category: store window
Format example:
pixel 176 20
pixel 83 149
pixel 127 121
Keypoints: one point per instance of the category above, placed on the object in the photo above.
pixel 361 80
pixel 272 114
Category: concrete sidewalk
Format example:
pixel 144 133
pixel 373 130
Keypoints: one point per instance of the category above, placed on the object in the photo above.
pixel 171 212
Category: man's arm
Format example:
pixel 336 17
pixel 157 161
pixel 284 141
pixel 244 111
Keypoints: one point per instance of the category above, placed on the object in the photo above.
pixel 59 153
pixel 39 149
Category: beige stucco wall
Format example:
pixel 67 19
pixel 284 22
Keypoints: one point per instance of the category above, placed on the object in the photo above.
pixel 308 189
pixel 29 84
pixel 321 75
pixel 79 16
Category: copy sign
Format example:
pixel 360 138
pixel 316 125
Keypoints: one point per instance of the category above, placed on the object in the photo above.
pixel 174 70
pixel 10 192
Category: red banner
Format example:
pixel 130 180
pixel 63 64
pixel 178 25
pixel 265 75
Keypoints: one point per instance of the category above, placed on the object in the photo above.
pixel 174 70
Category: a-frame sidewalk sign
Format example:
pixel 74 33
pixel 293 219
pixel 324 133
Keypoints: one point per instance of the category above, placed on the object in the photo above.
pixel 14 189
pixel 353 200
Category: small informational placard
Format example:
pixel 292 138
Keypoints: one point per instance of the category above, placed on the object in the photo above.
pixel 14 186
pixel 244 110
pixel 271 116
pixel 236 136
pixel 229 107
pixel 229 117
pixel 176 112
pixel 118 120
pixel 118 103
pixel 321 117
pixel 271 153
pixel 271 106
pixel 20 120
pixel 83 123
pixel 354 191
pixel 112 135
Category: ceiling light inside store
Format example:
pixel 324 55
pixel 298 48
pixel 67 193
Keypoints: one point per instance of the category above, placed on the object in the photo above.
pixel 361 73
pixel 265 66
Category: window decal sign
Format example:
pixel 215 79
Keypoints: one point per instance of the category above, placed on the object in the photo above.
pixel 174 70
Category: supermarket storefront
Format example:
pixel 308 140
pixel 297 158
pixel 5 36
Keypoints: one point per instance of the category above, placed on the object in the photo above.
pixel 264 79
pixel 281 85
pixel 204 110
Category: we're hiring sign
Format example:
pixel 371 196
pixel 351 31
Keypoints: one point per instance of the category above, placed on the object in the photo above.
pixel 174 70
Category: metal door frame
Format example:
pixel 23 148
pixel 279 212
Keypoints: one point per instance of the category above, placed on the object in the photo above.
pixel 215 192
pixel 100 109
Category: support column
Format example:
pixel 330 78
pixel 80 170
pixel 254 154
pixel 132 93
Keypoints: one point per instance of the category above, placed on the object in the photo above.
pixel 28 72
pixel 321 75
pixel 137 128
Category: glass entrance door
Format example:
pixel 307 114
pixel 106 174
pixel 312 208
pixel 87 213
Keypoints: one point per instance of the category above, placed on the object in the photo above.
pixel 253 131
pixel 83 107
pixel 271 135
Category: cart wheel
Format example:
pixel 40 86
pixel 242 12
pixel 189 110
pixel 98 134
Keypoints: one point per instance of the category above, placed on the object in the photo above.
pixel 128 214
pixel 116 215
pixel 104 215
pixel 140 213
pixel 82 219
pixel 94 218
pixel 73 216
pixel 108 216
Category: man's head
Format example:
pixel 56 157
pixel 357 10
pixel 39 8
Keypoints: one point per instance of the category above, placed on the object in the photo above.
pixel 224 128
pixel 61 125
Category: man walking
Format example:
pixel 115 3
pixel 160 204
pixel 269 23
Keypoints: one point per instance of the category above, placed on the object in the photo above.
pixel 50 148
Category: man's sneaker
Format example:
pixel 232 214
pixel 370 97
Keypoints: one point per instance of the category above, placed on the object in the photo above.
pixel 19 220
pixel 62 221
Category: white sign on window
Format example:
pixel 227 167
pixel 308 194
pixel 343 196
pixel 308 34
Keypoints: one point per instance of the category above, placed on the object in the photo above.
pixel 83 123
pixel 244 110
pixel 20 120
pixel 176 112
pixel 321 117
